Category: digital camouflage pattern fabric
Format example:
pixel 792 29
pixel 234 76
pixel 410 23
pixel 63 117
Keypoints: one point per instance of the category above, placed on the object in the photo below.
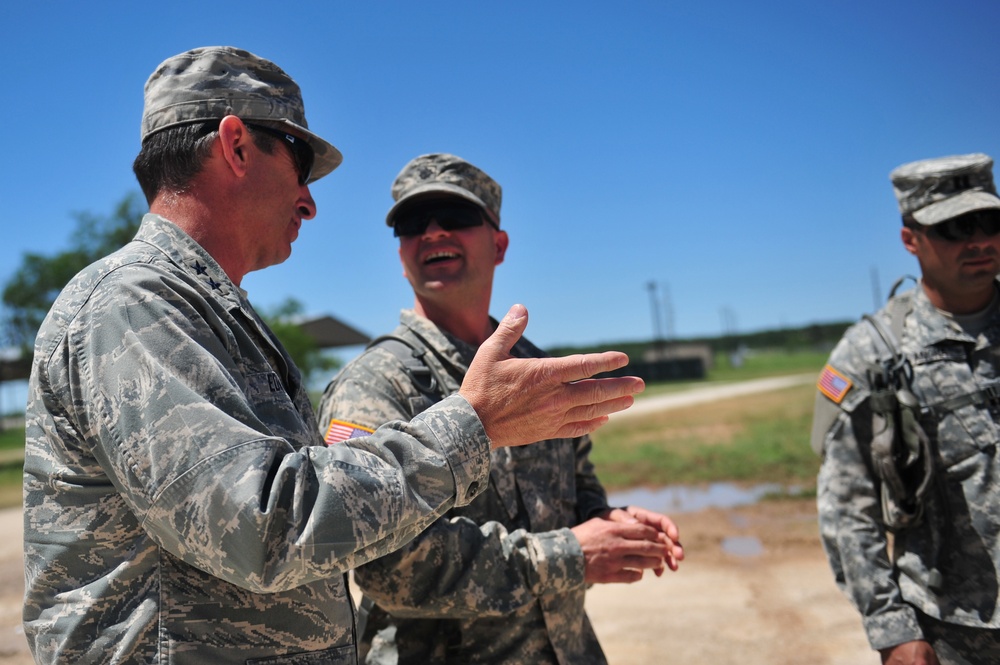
pixel 934 190
pixel 179 505
pixel 441 174
pixel 500 580
pixel 948 566
pixel 212 82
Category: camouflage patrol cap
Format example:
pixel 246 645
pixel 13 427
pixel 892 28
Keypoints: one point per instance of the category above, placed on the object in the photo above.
pixel 440 173
pixel 212 82
pixel 935 190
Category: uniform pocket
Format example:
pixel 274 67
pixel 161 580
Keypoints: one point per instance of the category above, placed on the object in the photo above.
pixel 963 433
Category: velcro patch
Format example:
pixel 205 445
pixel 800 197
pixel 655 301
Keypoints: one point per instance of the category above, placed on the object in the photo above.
pixel 341 430
pixel 833 384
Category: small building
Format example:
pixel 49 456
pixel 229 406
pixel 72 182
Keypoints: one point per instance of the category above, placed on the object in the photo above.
pixel 670 362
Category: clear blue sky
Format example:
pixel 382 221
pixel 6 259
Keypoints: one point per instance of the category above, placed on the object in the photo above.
pixel 737 152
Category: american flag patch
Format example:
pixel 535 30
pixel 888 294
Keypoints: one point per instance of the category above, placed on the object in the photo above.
pixel 833 384
pixel 341 430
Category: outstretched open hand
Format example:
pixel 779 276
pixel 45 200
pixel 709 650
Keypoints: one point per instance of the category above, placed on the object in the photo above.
pixel 523 400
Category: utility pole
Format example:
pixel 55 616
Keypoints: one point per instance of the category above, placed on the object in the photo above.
pixel 668 311
pixel 729 331
pixel 655 303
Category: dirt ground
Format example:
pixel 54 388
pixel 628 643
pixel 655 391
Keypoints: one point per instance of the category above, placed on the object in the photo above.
pixel 773 602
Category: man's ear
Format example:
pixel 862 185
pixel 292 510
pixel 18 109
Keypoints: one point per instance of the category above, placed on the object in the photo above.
pixel 909 237
pixel 234 138
pixel 501 241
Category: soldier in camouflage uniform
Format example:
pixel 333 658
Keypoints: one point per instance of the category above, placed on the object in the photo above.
pixel 501 580
pixel 932 595
pixel 179 506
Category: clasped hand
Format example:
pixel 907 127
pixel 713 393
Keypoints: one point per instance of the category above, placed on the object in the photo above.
pixel 620 544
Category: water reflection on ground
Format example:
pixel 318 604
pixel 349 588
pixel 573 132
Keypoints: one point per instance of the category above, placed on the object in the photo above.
pixel 682 499
pixel 742 546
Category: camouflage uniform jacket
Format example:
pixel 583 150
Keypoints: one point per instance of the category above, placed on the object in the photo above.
pixel 497 581
pixel 178 505
pixel 948 567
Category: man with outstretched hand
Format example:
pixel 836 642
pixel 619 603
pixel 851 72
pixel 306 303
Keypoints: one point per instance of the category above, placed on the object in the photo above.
pixel 179 505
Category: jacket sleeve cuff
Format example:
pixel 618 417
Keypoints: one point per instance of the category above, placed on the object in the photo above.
pixel 558 561
pixel 887 629
pixel 457 428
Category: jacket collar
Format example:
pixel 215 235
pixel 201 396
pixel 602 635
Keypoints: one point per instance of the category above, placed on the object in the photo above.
pixel 187 254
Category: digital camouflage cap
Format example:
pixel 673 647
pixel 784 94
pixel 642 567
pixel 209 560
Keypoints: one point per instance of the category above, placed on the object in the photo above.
pixel 932 191
pixel 212 82
pixel 441 173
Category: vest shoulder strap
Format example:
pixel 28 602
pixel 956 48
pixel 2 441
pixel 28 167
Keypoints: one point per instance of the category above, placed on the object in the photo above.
pixel 412 355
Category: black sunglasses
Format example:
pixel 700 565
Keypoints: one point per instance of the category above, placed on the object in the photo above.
pixel 302 152
pixel 449 214
pixel 963 227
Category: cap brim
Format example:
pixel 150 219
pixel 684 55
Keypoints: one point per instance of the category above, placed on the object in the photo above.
pixel 953 206
pixel 426 191
pixel 327 157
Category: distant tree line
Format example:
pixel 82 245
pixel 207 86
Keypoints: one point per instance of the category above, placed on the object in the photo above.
pixel 812 337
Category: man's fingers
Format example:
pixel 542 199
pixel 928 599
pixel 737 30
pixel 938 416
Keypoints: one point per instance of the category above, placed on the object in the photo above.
pixel 625 569
pixel 676 551
pixel 589 417
pixel 638 562
pixel 620 551
pixel 620 576
pixel 649 545
pixel 590 411
pixel 639 538
pixel 594 400
pixel 579 428
pixel 593 391
pixel 585 365
pixel 669 534
pixel 655 520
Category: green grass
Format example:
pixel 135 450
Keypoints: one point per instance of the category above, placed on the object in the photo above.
pixel 759 364
pixel 12 438
pixel 11 462
pixel 753 439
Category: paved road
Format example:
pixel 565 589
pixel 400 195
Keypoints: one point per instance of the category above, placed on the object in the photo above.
pixel 710 393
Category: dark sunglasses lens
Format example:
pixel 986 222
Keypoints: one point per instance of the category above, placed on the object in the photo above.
pixel 458 217
pixel 414 220
pixel 302 152
pixel 964 227
pixel 952 231
pixel 409 225
pixel 989 222
pixel 304 159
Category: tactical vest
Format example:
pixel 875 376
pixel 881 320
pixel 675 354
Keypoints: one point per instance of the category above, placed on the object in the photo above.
pixel 901 450
pixel 424 376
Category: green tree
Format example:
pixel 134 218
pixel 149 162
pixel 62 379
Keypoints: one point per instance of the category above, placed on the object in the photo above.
pixel 308 357
pixel 30 292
